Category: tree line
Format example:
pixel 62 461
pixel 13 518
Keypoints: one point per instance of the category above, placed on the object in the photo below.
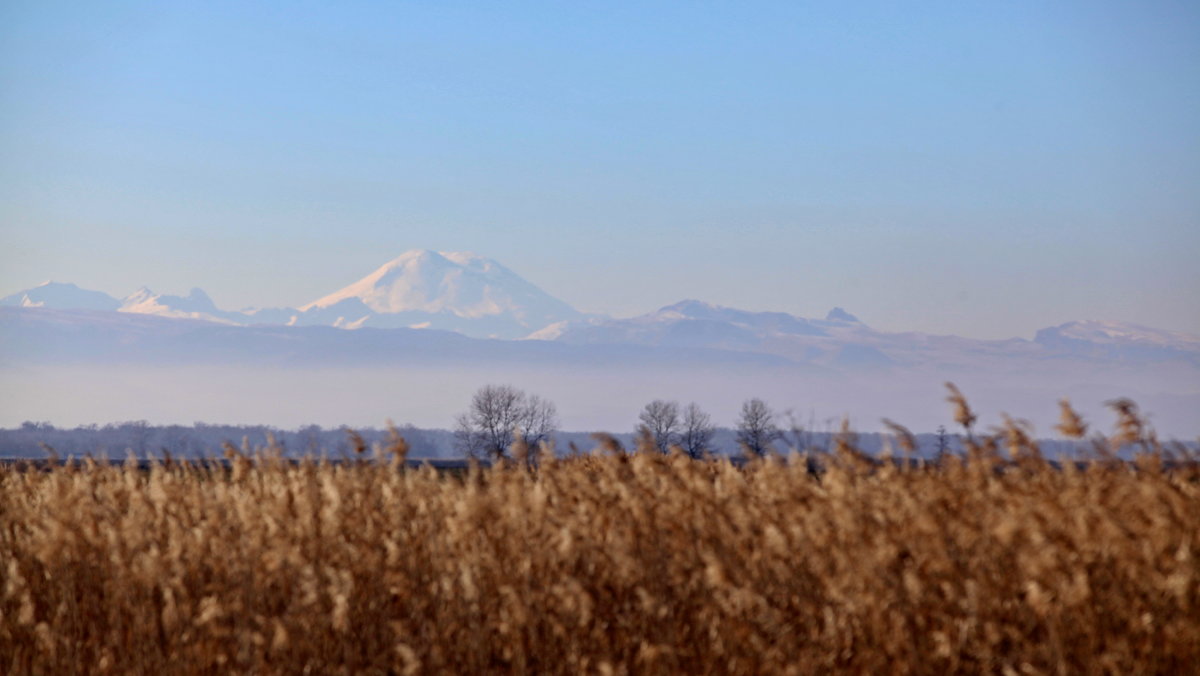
pixel 500 414
pixel 497 415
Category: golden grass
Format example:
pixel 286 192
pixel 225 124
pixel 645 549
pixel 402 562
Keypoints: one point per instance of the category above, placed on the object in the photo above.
pixel 616 563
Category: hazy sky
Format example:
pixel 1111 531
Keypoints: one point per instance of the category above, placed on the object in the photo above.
pixel 977 168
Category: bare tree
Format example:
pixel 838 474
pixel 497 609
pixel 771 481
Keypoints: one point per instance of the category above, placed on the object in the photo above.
pixel 661 419
pixel 497 414
pixel 756 427
pixel 697 430
pixel 943 443
pixel 539 418
pixel 487 427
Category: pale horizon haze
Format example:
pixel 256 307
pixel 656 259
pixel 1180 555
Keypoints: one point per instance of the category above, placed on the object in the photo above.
pixel 983 170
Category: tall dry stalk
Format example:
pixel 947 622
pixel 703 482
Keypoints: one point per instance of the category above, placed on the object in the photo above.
pixel 609 563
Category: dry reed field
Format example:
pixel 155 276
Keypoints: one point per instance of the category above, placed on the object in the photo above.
pixel 994 562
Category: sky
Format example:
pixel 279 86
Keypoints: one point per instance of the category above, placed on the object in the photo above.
pixel 983 169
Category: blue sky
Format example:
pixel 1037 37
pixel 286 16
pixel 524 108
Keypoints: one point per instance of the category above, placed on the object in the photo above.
pixel 983 169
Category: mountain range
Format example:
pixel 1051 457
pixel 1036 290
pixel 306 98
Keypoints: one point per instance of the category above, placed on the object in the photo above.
pixel 455 291
pixel 457 311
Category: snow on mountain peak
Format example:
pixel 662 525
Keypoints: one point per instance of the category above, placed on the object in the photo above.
pixel 1119 341
pixel 454 283
pixel 195 305
pixel 61 296
pixel 1116 333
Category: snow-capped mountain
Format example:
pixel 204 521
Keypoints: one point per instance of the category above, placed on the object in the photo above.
pixel 454 291
pixel 458 291
pixel 839 339
pixel 60 296
pixel 693 320
pixel 1120 341
pixel 479 297
pixel 195 305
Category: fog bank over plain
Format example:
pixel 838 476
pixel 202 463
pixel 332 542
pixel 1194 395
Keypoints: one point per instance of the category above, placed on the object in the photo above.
pixel 587 398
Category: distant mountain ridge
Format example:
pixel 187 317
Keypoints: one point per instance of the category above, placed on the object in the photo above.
pixel 425 328
pixel 1120 341
pixel 455 291
pixel 73 362
pixel 478 297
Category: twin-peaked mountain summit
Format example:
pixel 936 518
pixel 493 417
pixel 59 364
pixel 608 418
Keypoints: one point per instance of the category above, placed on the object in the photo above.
pixel 458 291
